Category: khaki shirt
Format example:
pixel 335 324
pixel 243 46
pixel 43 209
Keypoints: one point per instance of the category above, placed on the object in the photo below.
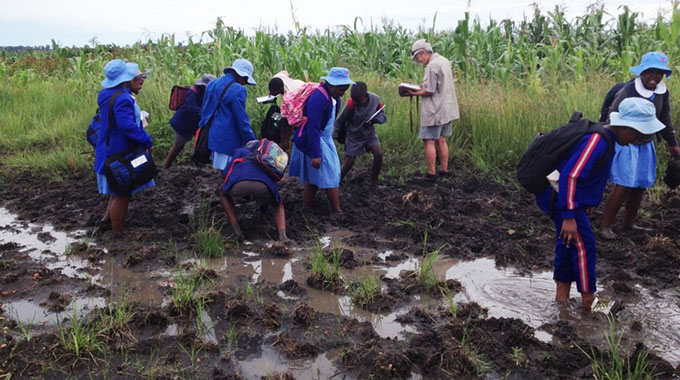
pixel 442 107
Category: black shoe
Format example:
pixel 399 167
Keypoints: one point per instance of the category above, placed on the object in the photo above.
pixel 445 174
pixel 429 178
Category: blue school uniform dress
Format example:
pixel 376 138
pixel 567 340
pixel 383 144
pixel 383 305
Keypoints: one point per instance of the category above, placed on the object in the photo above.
pixel 316 140
pixel 127 132
pixel 580 186
pixel 635 164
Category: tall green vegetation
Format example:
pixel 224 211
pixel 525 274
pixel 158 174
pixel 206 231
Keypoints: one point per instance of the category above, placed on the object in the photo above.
pixel 514 78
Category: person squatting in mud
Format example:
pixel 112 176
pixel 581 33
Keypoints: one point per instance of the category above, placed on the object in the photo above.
pixel 244 179
pixel 439 109
pixel 634 167
pixel 125 130
pixel 314 157
pixel 581 187
pixel 360 130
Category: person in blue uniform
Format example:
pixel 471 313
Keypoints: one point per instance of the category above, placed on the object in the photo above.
pixel 314 157
pixel 581 187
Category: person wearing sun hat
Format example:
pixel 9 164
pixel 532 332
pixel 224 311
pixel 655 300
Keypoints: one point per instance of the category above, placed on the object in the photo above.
pixel 314 157
pixel 581 185
pixel 439 109
pixel 634 167
pixel 185 120
pixel 123 133
pixel 224 108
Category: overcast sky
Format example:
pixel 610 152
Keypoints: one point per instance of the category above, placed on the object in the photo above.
pixel 124 22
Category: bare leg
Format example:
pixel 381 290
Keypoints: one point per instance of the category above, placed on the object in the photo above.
pixel 172 154
pixel 308 195
pixel 430 155
pixel 107 214
pixel 563 289
pixel 614 203
pixel 377 162
pixel 587 299
pixel 280 219
pixel 632 206
pixel 118 212
pixel 346 166
pixel 334 198
pixel 230 211
pixel 443 153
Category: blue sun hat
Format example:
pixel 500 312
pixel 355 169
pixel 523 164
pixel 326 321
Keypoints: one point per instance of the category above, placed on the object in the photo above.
pixel 338 76
pixel 243 68
pixel 652 60
pixel 117 72
pixel 637 113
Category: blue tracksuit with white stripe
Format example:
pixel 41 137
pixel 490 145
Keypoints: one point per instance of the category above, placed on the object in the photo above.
pixel 580 186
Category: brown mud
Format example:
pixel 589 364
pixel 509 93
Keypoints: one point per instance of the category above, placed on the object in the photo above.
pixel 243 318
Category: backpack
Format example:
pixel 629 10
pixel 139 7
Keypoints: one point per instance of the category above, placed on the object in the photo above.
pixel 609 99
pixel 293 104
pixel 178 95
pixel 273 124
pixel 270 158
pixel 547 149
pixel 92 132
pixel 201 151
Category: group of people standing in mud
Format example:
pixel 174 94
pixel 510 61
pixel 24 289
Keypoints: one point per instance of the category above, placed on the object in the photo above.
pixel 630 115
pixel 220 103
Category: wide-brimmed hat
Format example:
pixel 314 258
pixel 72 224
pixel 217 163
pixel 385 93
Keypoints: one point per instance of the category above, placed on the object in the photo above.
pixel 637 113
pixel 135 67
pixel 338 76
pixel 244 68
pixel 652 60
pixel 204 80
pixel 117 72
pixel 419 46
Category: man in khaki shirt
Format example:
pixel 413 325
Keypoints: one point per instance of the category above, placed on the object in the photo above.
pixel 439 109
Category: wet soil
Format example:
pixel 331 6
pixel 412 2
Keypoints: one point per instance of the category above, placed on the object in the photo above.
pixel 468 216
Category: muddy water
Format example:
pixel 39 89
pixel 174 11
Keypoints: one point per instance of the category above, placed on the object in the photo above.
pixel 504 292
pixel 531 299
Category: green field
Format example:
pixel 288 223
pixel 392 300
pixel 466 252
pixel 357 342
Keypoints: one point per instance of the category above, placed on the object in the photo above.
pixel 513 79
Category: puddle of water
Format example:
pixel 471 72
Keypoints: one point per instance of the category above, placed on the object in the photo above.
pixel 270 362
pixel 531 299
pixel 51 253
pixel 31 313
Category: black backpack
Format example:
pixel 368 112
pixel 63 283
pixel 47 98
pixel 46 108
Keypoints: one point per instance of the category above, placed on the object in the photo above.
pixel 273 124
pixel 547 149
pixel 609 99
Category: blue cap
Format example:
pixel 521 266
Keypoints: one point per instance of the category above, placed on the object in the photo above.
pixel 637 113
pixel 243 68
pixel 117 72
pixel 652 60
pixel 338 76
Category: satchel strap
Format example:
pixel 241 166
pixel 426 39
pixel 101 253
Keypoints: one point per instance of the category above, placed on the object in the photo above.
pixel 112 117
pixel 212 117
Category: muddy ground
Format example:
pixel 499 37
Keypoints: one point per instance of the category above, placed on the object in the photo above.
pixel 468 216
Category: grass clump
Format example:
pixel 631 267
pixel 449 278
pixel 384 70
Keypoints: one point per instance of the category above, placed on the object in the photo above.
pixel 185 294
pixel 207 234
pixel 115 325
pixel 612 365
pixel 82 339
pixel 363 291
pixel 325 272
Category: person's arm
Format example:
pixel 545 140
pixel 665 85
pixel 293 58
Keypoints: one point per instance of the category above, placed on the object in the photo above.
pixel 344 115
pixel 124 113
pixel 238 109
pixel 420 92
pixel 380 118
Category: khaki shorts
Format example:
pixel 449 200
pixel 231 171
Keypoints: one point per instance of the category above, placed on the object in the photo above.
pixel 434 132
